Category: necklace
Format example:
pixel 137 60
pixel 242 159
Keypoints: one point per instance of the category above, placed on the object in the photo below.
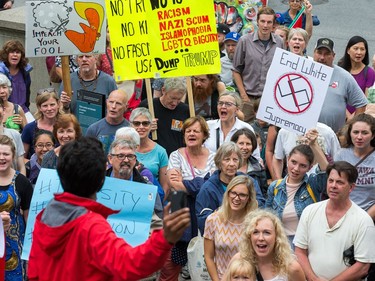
pixel 93 82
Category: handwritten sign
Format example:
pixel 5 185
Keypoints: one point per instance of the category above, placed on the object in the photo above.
pixel 134 200
pixel 239 15
pixel 162 38
pixel 294 92
pixel 56 28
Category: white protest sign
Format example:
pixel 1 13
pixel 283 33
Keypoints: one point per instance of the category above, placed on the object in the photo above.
pixel 294 92
pixel 135 201
pixel 57 28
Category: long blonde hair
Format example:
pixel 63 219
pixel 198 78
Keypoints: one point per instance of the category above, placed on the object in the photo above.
pixel 225 210
pixel 283 255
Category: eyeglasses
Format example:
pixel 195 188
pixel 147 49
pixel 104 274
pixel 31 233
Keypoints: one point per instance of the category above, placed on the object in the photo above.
pixel 242 196
pixel 46 90
pixel 121 156
pixel 143 123
pixel 47 145
pixel 226 103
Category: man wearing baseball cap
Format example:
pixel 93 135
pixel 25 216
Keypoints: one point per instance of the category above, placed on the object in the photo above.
pixel 343 88
pixel 230 44
pixel 222 31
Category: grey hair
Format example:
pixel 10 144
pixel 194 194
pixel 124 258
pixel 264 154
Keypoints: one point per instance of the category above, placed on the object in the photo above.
pixel 121 143
pixel 299 31
pixel 128 133
pixel 225 150
pixel 176 84
pixel 234 95
pixel 4 80
pixel 140 111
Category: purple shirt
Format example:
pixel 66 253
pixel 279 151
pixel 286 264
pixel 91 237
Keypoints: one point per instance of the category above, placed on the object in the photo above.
pixel 364 81
pixel 18 95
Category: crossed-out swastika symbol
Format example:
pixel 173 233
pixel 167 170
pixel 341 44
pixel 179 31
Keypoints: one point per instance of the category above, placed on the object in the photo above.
pixel 293 93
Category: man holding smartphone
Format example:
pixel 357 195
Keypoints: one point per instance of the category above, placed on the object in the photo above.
pixel 72 239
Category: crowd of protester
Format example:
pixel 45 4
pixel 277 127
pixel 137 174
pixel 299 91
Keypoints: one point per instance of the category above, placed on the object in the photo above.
pixel 270 204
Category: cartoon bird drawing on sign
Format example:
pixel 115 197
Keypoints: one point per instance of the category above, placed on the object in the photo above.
pixel 94 14
pixel 54 16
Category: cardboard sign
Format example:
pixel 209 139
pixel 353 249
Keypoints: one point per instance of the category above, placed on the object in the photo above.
pixel 162 38
pixel 294 92
pixel 58 28
pixel 134 200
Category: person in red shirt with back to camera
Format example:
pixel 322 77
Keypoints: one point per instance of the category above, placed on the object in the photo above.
pixel 72 239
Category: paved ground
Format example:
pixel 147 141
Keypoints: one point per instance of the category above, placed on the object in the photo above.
pixel 340 20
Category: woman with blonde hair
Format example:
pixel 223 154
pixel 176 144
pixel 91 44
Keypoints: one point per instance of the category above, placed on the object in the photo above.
pixel 48 110
pixel 228 160
pixel 15 198
pixel 240 269
pixel 265 245
pixel 223 228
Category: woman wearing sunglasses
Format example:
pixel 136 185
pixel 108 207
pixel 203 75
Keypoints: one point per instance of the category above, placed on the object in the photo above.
pixel 152 155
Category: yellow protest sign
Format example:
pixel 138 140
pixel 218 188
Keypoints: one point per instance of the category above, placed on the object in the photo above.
pixel 162 38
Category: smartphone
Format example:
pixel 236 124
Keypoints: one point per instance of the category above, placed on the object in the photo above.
pixel 178 200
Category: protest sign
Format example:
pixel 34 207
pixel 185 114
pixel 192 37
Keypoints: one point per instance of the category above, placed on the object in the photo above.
pixel 162 38
pixel 294 92
pixel 239 15
pixel 58 28
pixel 134 200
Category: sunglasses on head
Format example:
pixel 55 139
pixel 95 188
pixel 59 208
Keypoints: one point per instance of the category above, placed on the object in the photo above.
pixel 46 90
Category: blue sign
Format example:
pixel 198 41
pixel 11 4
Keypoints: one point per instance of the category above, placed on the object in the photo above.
pixel 134 200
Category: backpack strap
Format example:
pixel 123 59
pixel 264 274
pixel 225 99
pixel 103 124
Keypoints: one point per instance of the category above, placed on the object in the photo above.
pixel 309 190
pixel 276 190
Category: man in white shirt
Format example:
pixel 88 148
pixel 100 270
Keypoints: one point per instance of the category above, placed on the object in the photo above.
pixel 328 228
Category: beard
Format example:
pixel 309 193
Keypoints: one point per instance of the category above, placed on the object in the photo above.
pixel 201 94
pixel 125 171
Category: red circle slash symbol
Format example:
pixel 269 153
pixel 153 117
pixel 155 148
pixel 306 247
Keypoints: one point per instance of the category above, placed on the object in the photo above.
pixel 293 93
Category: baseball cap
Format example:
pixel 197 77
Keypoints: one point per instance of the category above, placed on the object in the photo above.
pixel 325 43
pixel 234 36
pixel 223 28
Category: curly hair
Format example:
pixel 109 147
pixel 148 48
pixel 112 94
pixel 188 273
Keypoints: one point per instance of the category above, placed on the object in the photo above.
pixel 252 203
pixel 11 46
pixel 282 253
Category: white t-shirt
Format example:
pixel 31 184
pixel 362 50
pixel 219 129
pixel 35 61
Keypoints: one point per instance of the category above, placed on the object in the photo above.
pixel 213 125
pixel 326 245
